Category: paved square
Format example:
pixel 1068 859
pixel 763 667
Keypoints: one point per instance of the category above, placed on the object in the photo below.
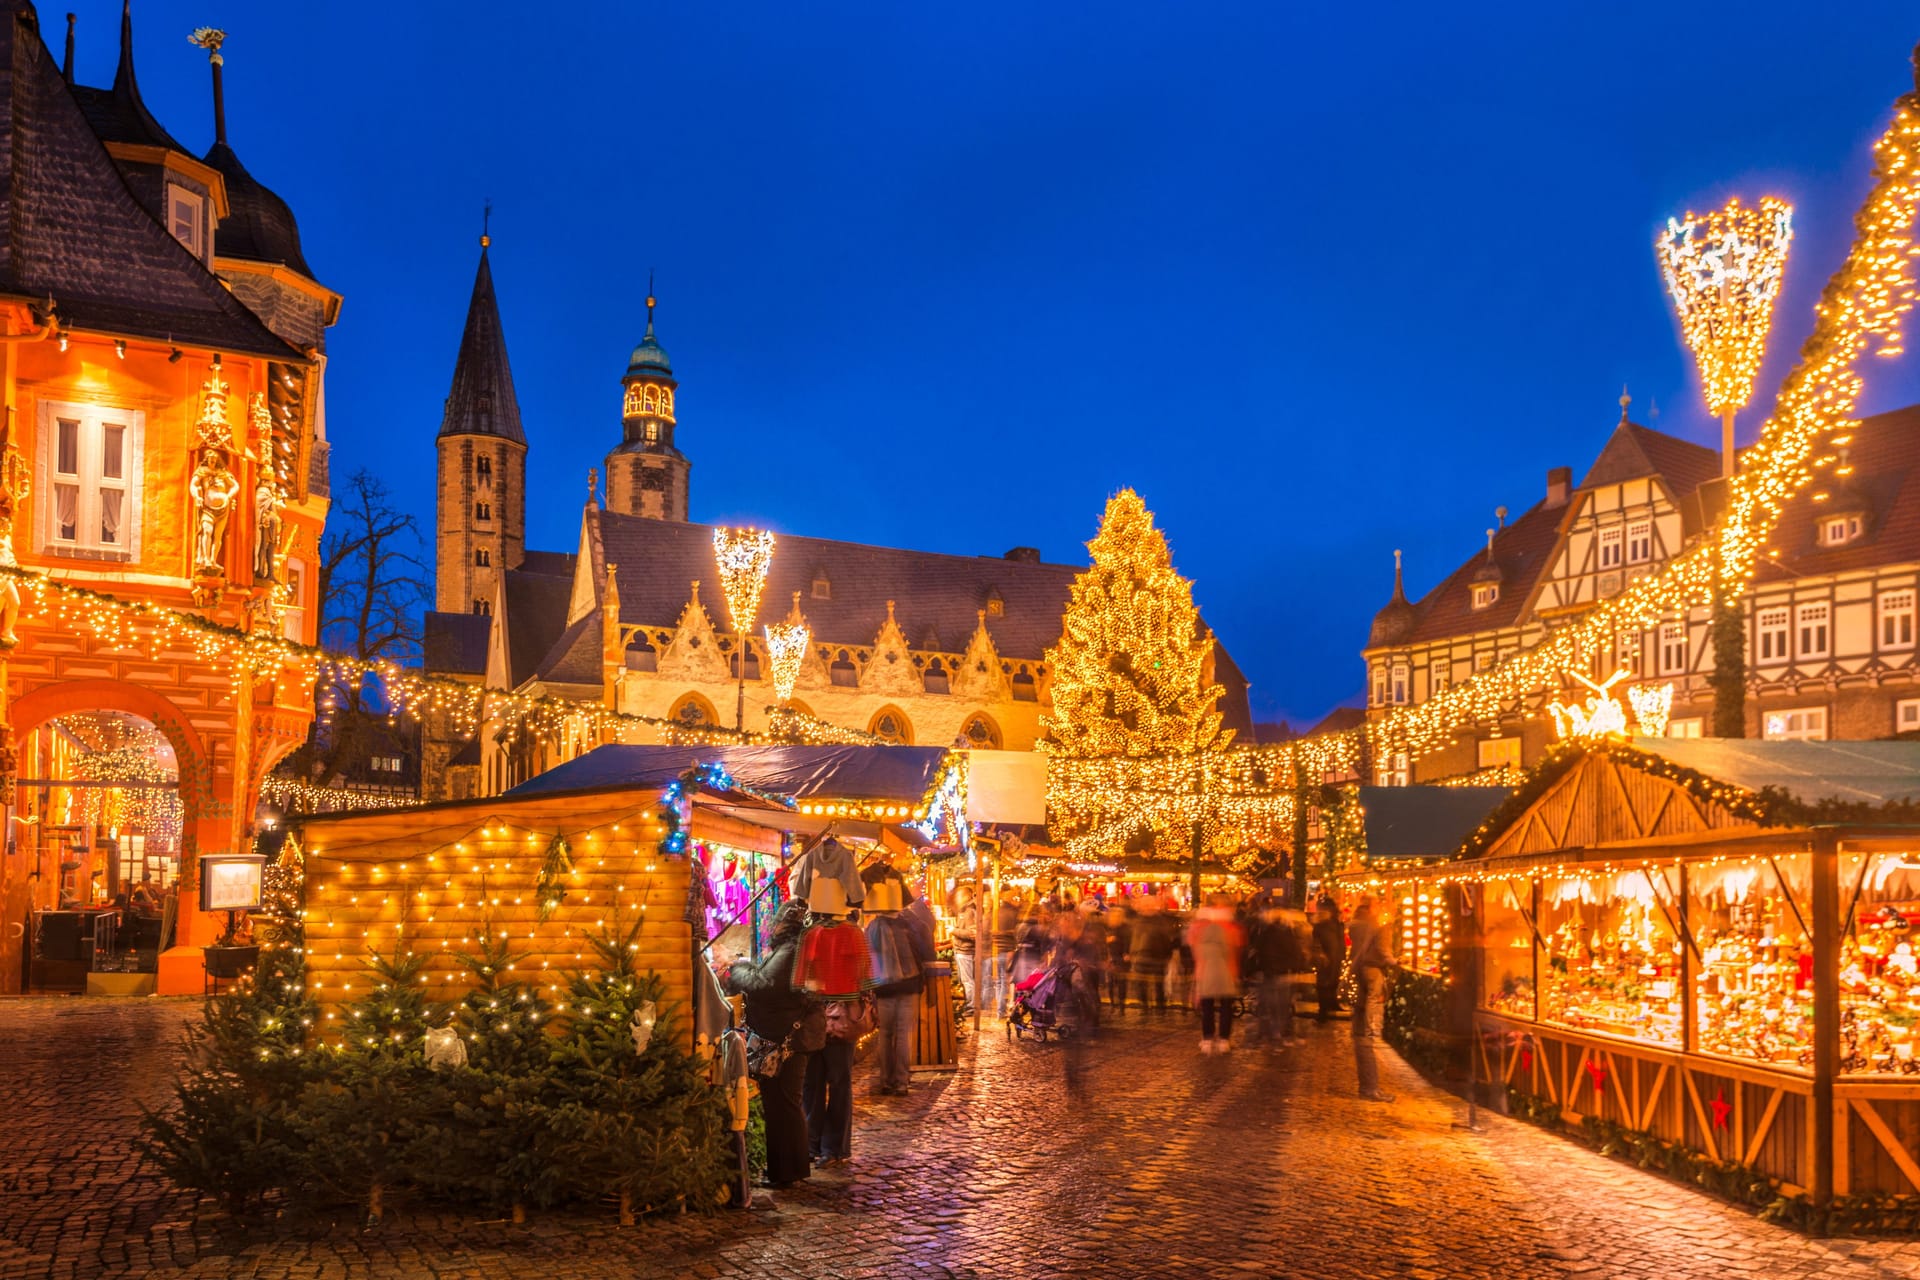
pixel 1163 1163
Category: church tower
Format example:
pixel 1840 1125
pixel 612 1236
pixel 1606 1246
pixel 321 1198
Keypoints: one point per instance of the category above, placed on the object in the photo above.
pixel 480 522
pixel 646 474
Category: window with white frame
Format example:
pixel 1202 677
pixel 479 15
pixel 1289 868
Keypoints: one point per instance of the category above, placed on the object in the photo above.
pixel 1485 593
pixel 187 218
pixel 1896 620
pixel 293 622
pixel 1673 648
pixel 1482 660
pixel 1401 680
pixel 1771 626
pixel 1379 686
pixel 1815 639
pixel 1610 539
pixel 1439 675
pixel 1806 724
pixel 1640 542
pixel 1906 715
pixel 90 457
pixel 1691 727
pixel 1394 772
pixel 1838 531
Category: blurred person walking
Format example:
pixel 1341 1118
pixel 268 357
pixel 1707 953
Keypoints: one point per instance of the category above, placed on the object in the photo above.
pixel 1329 957
pixel 1373 965
pixel 1215 941
pixel 901 951
pixel 832 965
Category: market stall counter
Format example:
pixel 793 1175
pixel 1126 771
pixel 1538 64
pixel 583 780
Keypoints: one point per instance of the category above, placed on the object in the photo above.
pixel 1711 944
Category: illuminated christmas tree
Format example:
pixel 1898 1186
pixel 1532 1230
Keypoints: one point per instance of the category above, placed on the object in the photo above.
pixel 1132 673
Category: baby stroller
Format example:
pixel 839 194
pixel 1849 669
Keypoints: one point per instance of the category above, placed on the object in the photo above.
pixel 1045 1002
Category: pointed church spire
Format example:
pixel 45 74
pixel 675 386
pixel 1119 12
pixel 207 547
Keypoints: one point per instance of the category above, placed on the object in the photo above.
pixel 481 400
pixel 1399 581
pixel 210 39
pixel 124 117
pixel 66 63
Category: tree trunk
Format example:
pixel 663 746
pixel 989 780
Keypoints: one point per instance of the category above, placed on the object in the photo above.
pixel 375 1196
pixel 626 1207
pixel 519 1213
pixel 1298 895
pixel 1199 842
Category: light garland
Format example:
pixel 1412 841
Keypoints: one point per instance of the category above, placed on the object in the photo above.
pixel 1652 708
pixel 786 650
pixel 743 557
pixel 784 724
pixel 1724 270
pixel 1862 307
pixel 310 797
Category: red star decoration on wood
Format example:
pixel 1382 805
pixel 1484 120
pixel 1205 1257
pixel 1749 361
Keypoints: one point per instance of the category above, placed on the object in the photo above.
pixel 1721 1109
pixel 1597 1072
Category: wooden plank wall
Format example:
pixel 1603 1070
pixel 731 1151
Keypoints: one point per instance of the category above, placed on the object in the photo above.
pixel 431 881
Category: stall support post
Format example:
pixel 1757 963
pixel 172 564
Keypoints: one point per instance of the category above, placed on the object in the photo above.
pixel 1689 1030
pixel 982 939
pixel 1827 927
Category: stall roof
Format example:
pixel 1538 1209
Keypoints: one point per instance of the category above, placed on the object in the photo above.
pixel 1869 773
pixel 1424 821
pixel 839 772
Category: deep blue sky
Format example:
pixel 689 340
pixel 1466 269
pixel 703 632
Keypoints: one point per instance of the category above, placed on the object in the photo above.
pixel 1319 280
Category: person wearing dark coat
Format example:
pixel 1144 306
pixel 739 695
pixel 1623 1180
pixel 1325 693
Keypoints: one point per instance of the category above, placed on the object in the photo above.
pixel 773 1007
pixel 1119 940
pixel 1275 952
pixel 1329 954
pixel 1151 945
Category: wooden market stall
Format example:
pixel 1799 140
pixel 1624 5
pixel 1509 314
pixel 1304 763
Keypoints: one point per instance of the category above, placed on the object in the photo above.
pixel 1711 942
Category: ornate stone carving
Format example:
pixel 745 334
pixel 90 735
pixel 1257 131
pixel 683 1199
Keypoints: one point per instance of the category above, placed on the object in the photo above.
pixel 213 486
pixel 694 653
pixel 891 672
pixel 978 674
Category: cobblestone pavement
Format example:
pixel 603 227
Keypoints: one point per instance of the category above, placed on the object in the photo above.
pixel 1163 1163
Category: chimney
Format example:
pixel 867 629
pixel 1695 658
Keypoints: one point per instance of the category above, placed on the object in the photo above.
pixel 1559 486
pixel 1023 555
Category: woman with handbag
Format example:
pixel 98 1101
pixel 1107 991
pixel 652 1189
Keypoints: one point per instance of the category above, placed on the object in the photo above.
pixel 777 1016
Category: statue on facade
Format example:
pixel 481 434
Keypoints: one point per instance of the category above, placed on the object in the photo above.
pixel 213 489
pixel 213 486
pixel 267 503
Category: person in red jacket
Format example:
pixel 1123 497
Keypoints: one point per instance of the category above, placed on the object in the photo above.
pixel 832 966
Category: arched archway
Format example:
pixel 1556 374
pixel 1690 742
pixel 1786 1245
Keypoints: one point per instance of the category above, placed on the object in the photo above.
pixel 890 724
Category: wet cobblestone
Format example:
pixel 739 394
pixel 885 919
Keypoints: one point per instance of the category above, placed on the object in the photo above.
pixel 1162 1163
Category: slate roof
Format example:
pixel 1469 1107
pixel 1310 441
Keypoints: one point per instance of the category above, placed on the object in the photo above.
pixel 259 227
pixel 1885 455
pixel 839 772
pixel 71 227
pixel 552 563
pixel 1424 821
pixel 1523 550
pixel 1633 452
pixel 657 560
pixel 536 607
pixel 575 658
pixel 119 113
pixel 481 400
pixel 455 643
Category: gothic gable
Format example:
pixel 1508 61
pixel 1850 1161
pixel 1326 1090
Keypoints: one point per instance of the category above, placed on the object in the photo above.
pixel 891 670
pixel 694 652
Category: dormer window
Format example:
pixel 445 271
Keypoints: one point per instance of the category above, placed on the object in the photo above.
pixel 822 588
pixel 187 218
pixel 996 606
pixel 1485 593
pixel 1838 531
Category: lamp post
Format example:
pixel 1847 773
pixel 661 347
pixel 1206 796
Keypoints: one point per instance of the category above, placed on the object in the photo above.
pixel 743 557
pixel 1723 270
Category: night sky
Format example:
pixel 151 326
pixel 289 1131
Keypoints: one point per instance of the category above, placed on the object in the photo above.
pixel 1319 280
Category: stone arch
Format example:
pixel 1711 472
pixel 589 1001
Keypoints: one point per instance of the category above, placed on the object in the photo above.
pixel 694 711
pixel 979 730
pixel 72 697
pixel 891 723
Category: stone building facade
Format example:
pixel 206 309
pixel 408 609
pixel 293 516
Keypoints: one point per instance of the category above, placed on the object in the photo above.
pixel 1830 613
pixel 909 646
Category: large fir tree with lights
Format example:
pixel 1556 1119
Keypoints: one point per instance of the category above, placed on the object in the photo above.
pixel 1131 671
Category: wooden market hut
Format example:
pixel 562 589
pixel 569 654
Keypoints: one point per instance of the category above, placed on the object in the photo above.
pixel 592 842
pixel 1711 942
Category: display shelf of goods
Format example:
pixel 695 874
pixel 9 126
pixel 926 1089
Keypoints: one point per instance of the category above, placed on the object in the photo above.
pixel 1507 953
pixel 1879 967
pixel 1753 983
pixel 1421 930
pixel 1611 962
